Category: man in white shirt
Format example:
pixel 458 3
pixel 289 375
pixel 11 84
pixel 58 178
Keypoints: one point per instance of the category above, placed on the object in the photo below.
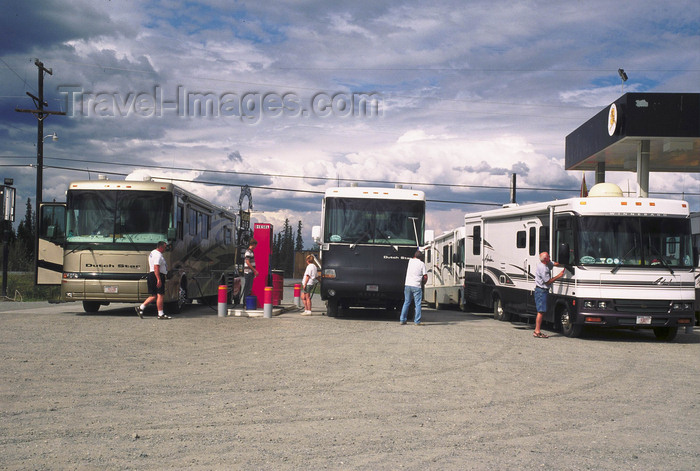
pixel 309 281
pixel 157 269
pixel 416 276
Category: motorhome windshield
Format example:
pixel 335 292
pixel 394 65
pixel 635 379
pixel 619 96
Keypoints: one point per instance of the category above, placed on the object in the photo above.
pixel 367 221
pixel 634 241
pixel 106 217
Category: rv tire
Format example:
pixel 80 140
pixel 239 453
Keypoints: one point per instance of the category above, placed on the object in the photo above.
pixel 666 334
pixel 568 327
pixel 91 306
pixel 332 307
pixel 498 312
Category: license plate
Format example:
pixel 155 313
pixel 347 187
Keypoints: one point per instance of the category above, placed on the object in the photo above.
pixel 644 320
pixel 373 288
pixel 111 289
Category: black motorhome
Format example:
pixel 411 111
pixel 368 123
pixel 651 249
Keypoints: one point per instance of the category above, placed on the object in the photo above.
pixel 366 238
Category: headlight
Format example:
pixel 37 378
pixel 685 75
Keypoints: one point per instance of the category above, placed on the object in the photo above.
pixel 682 306
pixel 602 304
pixel 588 304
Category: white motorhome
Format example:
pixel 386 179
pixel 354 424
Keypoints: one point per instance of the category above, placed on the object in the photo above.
pixel 444 260
pixel 629 261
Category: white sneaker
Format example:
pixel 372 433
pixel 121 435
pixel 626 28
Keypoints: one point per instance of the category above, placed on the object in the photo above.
pixel 306 313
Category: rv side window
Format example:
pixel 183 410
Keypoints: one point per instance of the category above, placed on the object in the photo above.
pixel 203 225
pixel 544 239
pixel 227 236
pixel 460 252
pixel 533 240
pixel 53 223
pixel 446 255
pixel 428 255
pixel 192 221
pixel 564 240
pixel 180 222
pixel 476 239
pixel 520 240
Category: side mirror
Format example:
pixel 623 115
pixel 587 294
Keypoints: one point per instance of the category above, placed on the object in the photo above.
pixel 172 233
pixel 316 234
pixel 51 232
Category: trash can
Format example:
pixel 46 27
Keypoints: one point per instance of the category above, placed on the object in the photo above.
pixel 251 302
pixel 277 287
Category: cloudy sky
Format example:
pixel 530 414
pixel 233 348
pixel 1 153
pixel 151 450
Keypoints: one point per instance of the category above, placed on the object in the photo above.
pixel 293 96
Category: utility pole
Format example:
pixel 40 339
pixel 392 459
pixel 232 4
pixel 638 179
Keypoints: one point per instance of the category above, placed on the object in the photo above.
pixel 40 114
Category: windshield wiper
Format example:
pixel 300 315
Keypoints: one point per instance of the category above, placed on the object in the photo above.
pixel 619 264
pixel 386 237
pixel 84 245
pixel 661 259
pixel 354 244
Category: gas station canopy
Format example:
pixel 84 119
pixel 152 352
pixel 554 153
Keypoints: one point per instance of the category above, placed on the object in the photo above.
pixel 663 129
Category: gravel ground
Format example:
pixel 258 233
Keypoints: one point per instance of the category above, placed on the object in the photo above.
pixel 112 391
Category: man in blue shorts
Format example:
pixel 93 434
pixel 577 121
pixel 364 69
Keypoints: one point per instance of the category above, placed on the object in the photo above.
pixel 543 278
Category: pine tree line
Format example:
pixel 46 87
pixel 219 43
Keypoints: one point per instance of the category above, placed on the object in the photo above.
pixel 284 245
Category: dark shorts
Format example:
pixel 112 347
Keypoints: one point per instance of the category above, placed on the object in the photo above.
pixel 153 288
pixel 541 299
pixel 309 288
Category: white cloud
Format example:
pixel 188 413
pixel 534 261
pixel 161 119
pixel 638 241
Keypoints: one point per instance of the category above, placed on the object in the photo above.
pixel 468 94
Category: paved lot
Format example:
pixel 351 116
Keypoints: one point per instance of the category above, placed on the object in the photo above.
pixel 111 391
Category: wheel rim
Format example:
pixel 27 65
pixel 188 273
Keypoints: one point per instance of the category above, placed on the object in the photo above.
pixel 499 309
pixel 181 297
pixel 565 320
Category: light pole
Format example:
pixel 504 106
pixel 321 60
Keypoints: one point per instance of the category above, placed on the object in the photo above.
pixel 623 76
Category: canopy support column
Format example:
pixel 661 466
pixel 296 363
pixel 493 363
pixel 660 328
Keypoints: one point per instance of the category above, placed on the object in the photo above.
pixel 643 151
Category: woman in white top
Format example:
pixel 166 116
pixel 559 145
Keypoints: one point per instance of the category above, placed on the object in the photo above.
pixel 309 281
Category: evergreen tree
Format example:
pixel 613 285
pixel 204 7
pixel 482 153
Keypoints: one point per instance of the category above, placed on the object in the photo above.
pixel 299 246
pixel 282 257
pixel 22 252
pixel 287 251
pixel 275 257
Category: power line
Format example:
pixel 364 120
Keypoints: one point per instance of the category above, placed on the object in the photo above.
pixel 24 80
pixel 306 177
pixel 271 175
pixel 294 190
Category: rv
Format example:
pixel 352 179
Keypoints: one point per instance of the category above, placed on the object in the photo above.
pixel 367 237
pixel 628 262
pixel 109 227
pixel 444 260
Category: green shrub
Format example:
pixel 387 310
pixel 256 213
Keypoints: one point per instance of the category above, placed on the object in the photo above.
pixel 21 287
